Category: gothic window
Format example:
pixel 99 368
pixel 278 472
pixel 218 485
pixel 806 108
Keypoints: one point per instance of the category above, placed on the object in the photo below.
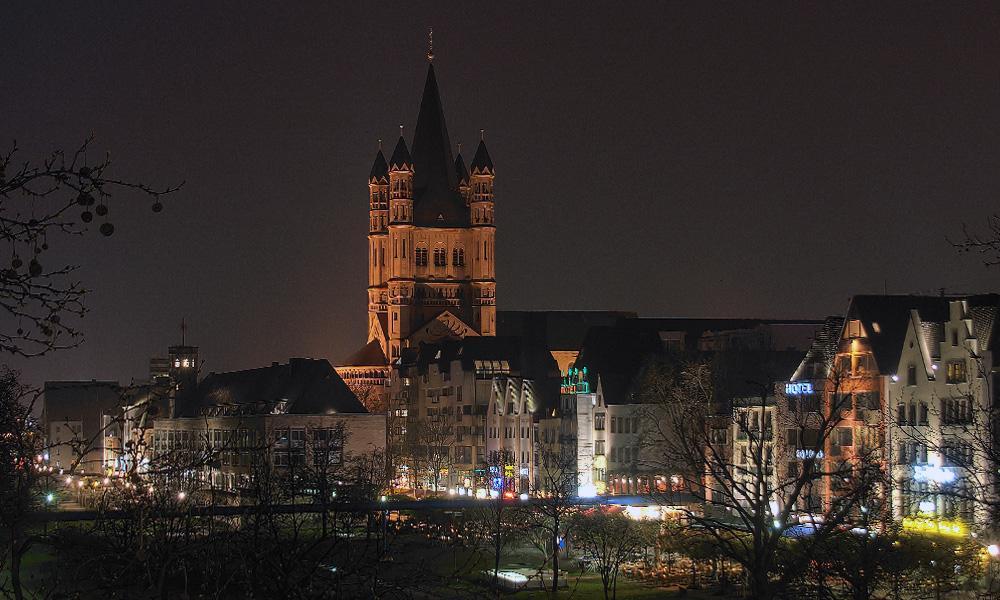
pixel 458 257
pixel 440 257
pixel 421 257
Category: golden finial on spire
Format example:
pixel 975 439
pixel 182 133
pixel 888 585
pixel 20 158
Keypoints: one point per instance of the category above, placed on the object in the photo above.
pixel 400 131
pixel 482 135
pixel 380 144
pixel 430 45
pixel 460 147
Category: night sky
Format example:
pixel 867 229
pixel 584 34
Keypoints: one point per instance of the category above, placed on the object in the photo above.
pixel 674 159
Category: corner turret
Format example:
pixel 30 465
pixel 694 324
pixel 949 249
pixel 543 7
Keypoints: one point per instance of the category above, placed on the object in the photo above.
pixel 401 184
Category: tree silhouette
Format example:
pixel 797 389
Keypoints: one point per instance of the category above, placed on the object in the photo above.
pixel 38 206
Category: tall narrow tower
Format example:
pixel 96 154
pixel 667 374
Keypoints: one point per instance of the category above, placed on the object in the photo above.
pixel 431 238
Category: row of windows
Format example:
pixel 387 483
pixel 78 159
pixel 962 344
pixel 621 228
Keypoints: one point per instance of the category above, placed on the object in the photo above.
pixel 440 256
pixel 954 411
pixel 624 454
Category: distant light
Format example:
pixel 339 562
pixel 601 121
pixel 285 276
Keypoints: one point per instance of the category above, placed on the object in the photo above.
pixel 50 498
pixel 934 367
pixel 180 496
pixel 524 496
pixel 382 498
pixel 105 481
pixel 777 524
pixel 993 549
pixel 79 483
pixel 494 494
pixel 926 506
pixel 895 377
pixel 935 474
pixel 69 481
pixel 481 493
pixel 587 491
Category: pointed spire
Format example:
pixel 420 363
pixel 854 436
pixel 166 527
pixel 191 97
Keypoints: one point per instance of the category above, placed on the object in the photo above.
pixel 482 163
pixel 380 170
pixel 435 183
pixel 460 171
pixel 400 160
pixel 430 46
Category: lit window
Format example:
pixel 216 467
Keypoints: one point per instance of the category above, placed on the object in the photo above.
pixel 956 372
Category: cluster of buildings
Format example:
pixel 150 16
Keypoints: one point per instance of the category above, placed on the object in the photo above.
pixel 459 398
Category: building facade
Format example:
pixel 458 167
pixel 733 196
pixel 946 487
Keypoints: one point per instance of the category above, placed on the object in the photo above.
pixel 908 392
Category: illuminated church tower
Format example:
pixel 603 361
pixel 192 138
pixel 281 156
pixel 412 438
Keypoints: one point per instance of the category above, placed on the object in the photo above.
pixel 431 267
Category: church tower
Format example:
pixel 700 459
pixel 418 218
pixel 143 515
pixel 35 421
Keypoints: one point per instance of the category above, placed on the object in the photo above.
pixel 431 237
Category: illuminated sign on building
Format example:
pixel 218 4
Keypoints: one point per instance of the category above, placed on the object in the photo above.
pixel 807 454
pixel 921 524
pixel 932 473
pixel 575 382
pixel 799 388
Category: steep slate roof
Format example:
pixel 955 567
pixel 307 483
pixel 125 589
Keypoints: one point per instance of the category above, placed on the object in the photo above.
pixel 481 162
pixel 460 171
pixel 306 385
pixel 892 314
pixel 400 160
pixel 822 352
pixel 560 329
pixel 369 355
pixel 380 170
pixel 617 354
pixel 437 201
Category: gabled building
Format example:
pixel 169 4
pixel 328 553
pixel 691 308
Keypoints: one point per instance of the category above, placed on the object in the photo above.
pixel 908 385
pixel 456 404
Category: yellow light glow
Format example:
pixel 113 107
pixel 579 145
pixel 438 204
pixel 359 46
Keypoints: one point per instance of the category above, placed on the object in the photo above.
pixel 948 527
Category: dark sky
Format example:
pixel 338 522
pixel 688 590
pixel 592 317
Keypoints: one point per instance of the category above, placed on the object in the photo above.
pixel 675 159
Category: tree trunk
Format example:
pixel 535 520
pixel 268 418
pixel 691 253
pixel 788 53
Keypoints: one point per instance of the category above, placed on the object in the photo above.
pixel 15 565
pixel 555 558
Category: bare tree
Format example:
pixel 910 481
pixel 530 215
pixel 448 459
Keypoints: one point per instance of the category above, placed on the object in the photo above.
pixel 555 499
pixel 37 206
pixel 610 539
pixel 735 489
pixel 497 524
